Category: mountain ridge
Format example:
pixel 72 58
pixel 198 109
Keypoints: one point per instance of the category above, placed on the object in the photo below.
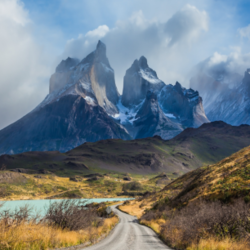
pixel 192 148
pixel 83 104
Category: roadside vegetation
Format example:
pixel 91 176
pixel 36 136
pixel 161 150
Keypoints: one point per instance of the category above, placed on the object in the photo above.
pixel 208 208
pixel 65 224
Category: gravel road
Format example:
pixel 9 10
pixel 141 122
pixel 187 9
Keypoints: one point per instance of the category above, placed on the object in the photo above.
pixel 129 235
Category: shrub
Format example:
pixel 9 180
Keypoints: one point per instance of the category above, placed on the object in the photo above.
pixel 71 215
pixel 132 186
pixel 203 220
pixel 247 198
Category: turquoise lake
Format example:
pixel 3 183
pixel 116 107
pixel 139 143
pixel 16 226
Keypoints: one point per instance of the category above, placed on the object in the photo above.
pixel 39 206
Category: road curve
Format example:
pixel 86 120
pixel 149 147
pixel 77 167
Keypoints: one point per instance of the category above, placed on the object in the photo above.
pixel 129 235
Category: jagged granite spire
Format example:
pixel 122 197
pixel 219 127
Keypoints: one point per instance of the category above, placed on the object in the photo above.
pixel 92 77
pixel 138 80
pixel 82 98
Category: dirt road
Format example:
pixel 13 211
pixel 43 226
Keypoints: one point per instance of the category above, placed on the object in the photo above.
pixel 129 235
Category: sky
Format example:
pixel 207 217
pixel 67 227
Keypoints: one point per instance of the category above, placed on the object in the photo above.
pixel 173 35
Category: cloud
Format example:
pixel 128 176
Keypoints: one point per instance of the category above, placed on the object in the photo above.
pixel 227 68
pixel 186 24
pixel 165 44
pixel 245 32
pixel 23 69
pixel 100 32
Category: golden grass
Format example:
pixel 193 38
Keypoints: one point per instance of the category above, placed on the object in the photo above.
pixel 22 192
pixel 133 208
pixel 154 224
pixel 40 236
pixel 213 244
pixel 136 207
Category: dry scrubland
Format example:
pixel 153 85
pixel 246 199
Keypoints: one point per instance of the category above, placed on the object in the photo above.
pixel 19 186
pixel 206 209
pixel 65 224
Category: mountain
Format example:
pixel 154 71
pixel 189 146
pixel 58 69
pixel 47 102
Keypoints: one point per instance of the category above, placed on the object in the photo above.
pixel 82 95
pixel 224 100
pixel 83 105
pixel 150 120
pixel 192 148
pixel 92 78
pixel 149 107
pixel 139 79
pixel 186 104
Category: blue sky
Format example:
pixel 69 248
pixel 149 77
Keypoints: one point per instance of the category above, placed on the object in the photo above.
pixel 66 19
pixel 175 35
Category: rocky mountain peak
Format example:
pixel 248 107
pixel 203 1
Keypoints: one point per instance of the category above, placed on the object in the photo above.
pixel 143 62
pixel 135 67
pixel 101 46
pixel 100 53
pixel 138 80
pixel 67 64
pixel 178 88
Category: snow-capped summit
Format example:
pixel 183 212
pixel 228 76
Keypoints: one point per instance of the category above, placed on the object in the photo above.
pixel 138 80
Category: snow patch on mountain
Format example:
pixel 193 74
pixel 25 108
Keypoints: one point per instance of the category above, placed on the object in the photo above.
pixel 126 115
pixel 107 69
pixel 169 115
pixel 90 100
pixel 148 76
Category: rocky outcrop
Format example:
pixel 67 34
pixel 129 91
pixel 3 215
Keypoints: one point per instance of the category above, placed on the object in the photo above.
pixel 151 120
pixel 138 80
pixel 185 104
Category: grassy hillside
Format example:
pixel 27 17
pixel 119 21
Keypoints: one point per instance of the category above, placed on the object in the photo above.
pixel 191 149
pixel 19 186
pixel 207 208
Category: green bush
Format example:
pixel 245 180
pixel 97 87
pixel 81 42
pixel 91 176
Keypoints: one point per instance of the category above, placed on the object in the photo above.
pixel 247 198
pixel 132 186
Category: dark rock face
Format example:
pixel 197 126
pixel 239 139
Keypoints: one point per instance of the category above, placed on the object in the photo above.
pixel 183 103
pixel 229 104
pixel 151 120
pixel 138 80
pixel 61 126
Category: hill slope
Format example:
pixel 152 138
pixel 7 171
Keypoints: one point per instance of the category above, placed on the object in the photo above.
pixel 191 149
pixel 207 208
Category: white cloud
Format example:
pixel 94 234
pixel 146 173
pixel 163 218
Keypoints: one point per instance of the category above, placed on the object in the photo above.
pixel 245 32
pixel 22 64
pixel 217 59
pixel 167 45
pixel 100 32
pixel 186 24
pixel 228 66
